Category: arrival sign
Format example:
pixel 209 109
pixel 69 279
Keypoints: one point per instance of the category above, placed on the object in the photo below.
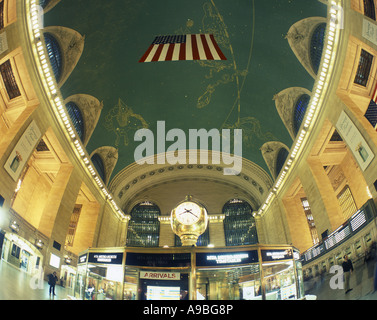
pixel 160 275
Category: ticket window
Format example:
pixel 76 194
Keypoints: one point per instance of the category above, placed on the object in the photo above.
pixel 368 240
pixel 324 267
pixel 359 248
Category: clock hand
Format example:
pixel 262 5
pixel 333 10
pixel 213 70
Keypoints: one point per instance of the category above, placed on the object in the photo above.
pixel 190 211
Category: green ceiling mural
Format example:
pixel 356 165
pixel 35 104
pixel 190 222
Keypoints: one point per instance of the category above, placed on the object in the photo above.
pixel 235 94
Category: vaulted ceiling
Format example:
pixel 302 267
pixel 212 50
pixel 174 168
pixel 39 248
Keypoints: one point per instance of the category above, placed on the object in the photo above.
pixel 236 93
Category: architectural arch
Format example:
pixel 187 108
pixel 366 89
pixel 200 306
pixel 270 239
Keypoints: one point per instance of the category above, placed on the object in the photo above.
pixel 291 102
pixel 71 46
pixel 144 226
pixel 90 108
pixel 105 159
pixel 306 38
pixel 239 223
pixel 274 154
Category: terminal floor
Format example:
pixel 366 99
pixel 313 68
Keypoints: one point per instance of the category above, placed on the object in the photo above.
pixel 361 282
pixel 17 285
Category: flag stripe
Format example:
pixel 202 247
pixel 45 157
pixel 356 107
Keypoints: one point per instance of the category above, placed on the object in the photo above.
pixel 164 52
pixel 195 51
pixel 152 53
pixel 201 52
pixel 212 48
pixel 177 48
pixel 146 54
pixel 169 55
pixel 189 53
pixel 182 51
pixel 206 47
pixel 221 55
pixel 157 54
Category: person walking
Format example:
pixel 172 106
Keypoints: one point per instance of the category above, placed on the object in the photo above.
pixel 347 271
pixel 52 279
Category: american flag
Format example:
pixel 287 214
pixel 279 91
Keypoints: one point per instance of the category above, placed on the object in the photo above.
pixel 183 47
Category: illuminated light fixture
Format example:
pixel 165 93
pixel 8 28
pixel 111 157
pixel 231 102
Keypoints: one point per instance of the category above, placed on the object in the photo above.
pixel 14 226
pixel 318 87
pixel 39 243
pixel 18 187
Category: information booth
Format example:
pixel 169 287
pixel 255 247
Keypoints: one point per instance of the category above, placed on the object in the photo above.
pixel 190 273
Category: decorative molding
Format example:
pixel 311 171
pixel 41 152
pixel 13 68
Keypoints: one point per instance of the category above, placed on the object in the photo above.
pixel 135 179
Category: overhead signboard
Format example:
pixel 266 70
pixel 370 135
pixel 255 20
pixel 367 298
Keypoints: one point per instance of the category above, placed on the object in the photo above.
pixel 83 258
pixel 160 275
pixel 276 255
pixel 105 257
pixel 210 259
pixel 165 260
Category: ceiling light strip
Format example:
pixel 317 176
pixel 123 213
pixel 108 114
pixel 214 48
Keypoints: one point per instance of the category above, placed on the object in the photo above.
pixel 323 78
pixel 56 102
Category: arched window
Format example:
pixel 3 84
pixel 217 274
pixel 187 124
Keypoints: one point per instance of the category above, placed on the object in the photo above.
pixel 239 223
pixel 299 111
pixel 76 118
pixel 316 46
pixel 280 160
pixel 54 54
pixel 144 226
pixel 98 164
pixel 203 240
pixel 43 3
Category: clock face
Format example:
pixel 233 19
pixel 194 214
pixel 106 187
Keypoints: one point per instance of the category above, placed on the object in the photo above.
pixel 188 213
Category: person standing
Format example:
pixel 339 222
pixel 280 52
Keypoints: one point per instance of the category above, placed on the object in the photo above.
pixel 52 279
pixel 347 271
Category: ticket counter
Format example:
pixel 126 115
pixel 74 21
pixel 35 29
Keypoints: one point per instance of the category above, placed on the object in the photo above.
pixel 190 273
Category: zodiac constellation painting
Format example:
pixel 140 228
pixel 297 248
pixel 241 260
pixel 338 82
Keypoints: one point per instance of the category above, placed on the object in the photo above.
pixel 124 123
pixel 223 73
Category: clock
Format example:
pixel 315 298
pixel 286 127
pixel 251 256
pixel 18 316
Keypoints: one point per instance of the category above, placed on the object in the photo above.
pixel 188 213
pixel 189 220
